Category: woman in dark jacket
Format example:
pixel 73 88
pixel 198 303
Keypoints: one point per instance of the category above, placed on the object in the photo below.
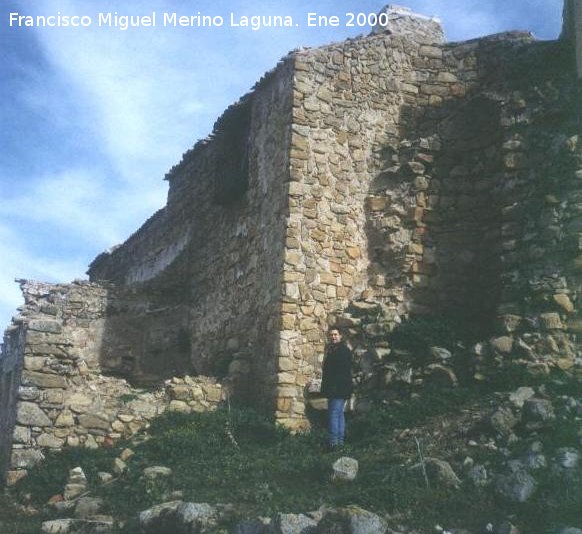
pixel 336 385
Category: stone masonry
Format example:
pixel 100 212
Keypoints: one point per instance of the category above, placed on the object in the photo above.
pixel 572 29
pixel 396 173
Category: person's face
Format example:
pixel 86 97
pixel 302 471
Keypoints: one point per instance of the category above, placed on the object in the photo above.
pixel 334 336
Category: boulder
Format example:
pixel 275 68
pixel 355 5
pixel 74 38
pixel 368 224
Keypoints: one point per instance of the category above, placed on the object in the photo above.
pixel 518 486
pixel 351 520
pixel 157 472
pixel 25 458
pixel 292 524
pixel 76 484
pixel 179 516
pixel 345 468
pixel 88 507
pixel 520 395
pixel 441 473
pixel 503 421
pixel 77 526
pixel 538 413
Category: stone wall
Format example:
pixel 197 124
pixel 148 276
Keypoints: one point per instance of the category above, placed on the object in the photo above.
pixel 56 394
pixel 572 30
pixel 207 268
pixel 11 360
pixel 413 181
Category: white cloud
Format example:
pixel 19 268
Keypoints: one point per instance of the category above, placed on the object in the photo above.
pixel 78 204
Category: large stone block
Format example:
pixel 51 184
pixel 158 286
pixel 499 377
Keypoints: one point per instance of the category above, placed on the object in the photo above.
pixel 43 380
pixel 29 414
pixel 26 458
pixel 97 421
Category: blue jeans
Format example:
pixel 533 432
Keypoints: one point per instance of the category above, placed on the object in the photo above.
pixel 336 421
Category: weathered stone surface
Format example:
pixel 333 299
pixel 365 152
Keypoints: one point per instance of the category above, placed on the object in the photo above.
pixel 520 395
pixel 538 411
pixel 49 441
pixel 178 516
pixel 26 458
pixel 30 414
pixel 76 484
pixel 440 353
pixel 551 321
pixel 77 526
pixel 516 487
pixel 351 520
pixel 156 472
pixel 345 468
pixel 88 507
pixel 43 380
pixel 53 327
pixel 503 421
pixel 442 376
pixel 567 458
pixel 119 466
pixel 292 523
pixel 90 420
pixel 478 475
pixel 441 473
pixel 502 344
pixel 564 302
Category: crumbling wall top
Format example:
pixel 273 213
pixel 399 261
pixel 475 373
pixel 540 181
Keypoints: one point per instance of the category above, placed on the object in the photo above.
pixel 399 20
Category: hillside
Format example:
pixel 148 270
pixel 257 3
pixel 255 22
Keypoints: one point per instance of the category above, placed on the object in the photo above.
pixel 500 457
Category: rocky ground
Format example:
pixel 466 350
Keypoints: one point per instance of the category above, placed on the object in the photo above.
pixel 500 460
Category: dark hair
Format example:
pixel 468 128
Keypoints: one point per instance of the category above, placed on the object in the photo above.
pixel 332 328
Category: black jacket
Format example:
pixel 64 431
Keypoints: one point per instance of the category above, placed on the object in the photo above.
pixel 336 381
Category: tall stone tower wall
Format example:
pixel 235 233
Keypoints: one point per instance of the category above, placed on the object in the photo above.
pixel 572 30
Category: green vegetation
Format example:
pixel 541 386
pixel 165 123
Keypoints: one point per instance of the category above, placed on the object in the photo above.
pixel 14 520
pixel 241 457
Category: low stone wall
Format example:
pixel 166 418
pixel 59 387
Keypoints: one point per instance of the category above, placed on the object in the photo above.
pixel 54 393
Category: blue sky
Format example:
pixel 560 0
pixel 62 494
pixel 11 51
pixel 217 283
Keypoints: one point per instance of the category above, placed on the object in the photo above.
pixel 92 118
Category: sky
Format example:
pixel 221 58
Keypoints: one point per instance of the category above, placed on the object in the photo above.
pixel 91 118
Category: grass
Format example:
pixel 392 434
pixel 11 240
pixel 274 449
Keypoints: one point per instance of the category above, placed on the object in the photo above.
pixel 261 468
pixel 14 521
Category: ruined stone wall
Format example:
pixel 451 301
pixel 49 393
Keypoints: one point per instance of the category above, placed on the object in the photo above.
pixel 346 104
pixel 572 30
pixel 409 168
pixel 56 394
pixel 207 268
pixel 359 189
pixel 11 360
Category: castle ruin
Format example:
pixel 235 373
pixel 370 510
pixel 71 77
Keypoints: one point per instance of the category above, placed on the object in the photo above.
pixel 395 170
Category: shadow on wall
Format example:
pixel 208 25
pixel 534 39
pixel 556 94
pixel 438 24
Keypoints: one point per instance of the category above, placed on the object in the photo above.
pixel 146 339
pixel 433 216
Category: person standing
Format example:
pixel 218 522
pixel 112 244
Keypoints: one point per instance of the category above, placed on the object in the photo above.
pixel 336 385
